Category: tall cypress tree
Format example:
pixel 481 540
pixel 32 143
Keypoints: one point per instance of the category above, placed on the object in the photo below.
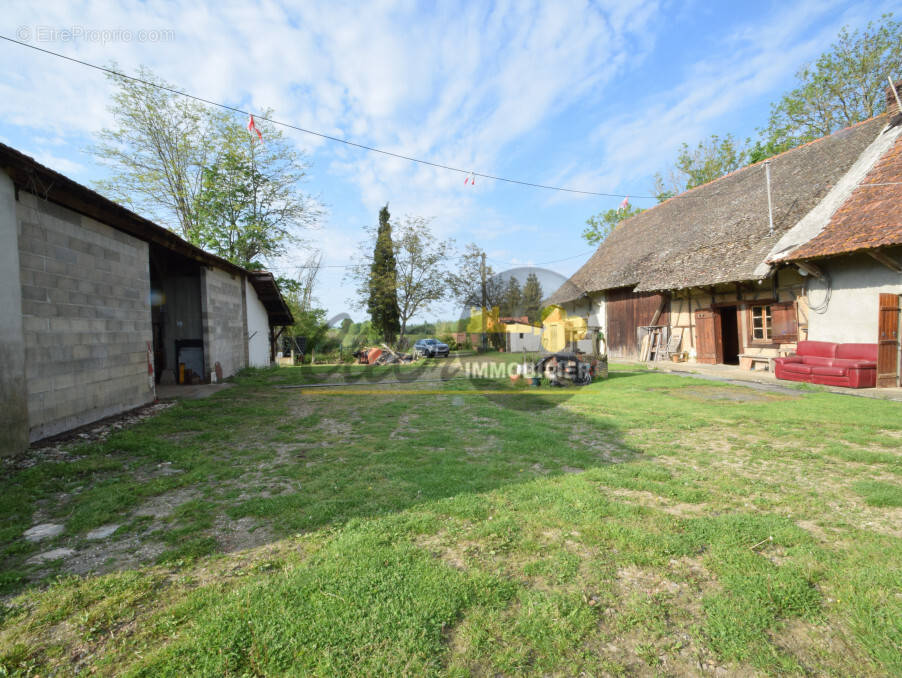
pixel 383 300
pixel 532 298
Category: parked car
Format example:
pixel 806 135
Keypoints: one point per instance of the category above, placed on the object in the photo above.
pixel 431 348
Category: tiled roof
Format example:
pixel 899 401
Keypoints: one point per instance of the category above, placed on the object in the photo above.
pixel 870 218
pixel 719 232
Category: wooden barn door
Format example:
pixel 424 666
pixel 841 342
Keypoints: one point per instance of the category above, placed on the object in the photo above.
pixel 626 311
pixel 708 340
pixel 888 342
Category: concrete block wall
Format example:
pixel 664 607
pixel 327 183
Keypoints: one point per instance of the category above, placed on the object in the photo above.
pixel 13 399
pixel 86 317
pixel 224 317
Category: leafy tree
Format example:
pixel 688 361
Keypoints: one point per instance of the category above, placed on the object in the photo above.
pixel 600 226
pixel 199 172
pixel 844 86
pixel 248 209
pixel 422 278
pixel 532 298
pixel 408 277
pixel 709 160
pixel 345 327
pixel 158 149
pixel 379 284
pixel 512 300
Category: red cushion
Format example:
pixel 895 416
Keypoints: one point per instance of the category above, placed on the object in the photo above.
pixel 797 368
pixel 826 371
pixel 822 349
pixel 865 364
pixel 817 360
pixel 860 351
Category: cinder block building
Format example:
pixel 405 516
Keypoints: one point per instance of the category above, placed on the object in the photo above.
pixel 98 305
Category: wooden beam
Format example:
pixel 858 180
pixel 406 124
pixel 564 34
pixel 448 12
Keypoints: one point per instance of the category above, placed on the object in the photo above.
pixel 657 315
pixel 886 260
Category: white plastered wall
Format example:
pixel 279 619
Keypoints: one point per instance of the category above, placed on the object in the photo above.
pixel 853 310
pixel 257 329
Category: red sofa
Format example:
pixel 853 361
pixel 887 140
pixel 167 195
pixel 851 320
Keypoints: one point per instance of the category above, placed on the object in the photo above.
pixel 823 362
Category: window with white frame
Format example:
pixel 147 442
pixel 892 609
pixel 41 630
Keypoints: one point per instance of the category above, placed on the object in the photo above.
pixel 762 329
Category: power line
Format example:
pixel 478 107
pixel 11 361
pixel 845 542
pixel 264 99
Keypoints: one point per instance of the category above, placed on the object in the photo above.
pixel 348 142
pixel 297 128
pixel 542 263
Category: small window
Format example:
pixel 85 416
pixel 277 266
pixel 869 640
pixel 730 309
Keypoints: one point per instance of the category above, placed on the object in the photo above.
pixel 762 328
pixel 521 335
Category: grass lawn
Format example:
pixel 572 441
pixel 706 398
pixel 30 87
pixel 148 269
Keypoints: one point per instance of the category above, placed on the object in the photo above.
pixel 648 524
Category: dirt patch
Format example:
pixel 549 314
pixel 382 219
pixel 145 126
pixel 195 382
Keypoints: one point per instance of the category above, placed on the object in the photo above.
pixel 336 428
pixel 454 553
pixel 164 504
pixel 610 451
pixel 743 395
pixel 107 556
pixel 404 429
pixel 655 501
pixel 815 648
pixel 241 534
pixel 647 630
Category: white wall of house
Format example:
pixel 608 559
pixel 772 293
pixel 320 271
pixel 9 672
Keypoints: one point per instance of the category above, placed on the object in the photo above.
pixel 592 308
pixel 852 312
pixel 257 329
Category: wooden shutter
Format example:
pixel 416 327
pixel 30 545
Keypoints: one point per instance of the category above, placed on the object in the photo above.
pixel 707 335
pixel 784 323
pixel 888 342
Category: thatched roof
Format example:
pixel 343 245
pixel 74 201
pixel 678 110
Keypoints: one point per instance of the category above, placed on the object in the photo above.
pixel 719 232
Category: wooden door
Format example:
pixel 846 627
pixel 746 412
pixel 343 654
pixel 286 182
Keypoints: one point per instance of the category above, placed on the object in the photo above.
pixel 709 345
pixel 888 342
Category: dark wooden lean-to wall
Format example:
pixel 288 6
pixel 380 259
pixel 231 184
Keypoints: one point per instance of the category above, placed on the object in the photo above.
pixel 625 311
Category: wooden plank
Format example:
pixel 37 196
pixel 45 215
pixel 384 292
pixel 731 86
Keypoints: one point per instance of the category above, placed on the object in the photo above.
pixel 888 342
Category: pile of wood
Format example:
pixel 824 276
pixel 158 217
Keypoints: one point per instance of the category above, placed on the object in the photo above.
pixel 382 355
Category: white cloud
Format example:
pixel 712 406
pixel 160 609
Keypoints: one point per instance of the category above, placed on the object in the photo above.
pixel 752 61
pixel 462 84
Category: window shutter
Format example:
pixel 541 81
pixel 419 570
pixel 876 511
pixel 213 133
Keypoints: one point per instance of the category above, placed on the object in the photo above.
pixel 784 322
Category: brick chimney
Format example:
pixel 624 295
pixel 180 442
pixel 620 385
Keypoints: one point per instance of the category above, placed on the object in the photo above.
pixel 891 106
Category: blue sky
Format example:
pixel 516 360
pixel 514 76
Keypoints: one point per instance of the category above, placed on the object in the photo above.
pixel 595 96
